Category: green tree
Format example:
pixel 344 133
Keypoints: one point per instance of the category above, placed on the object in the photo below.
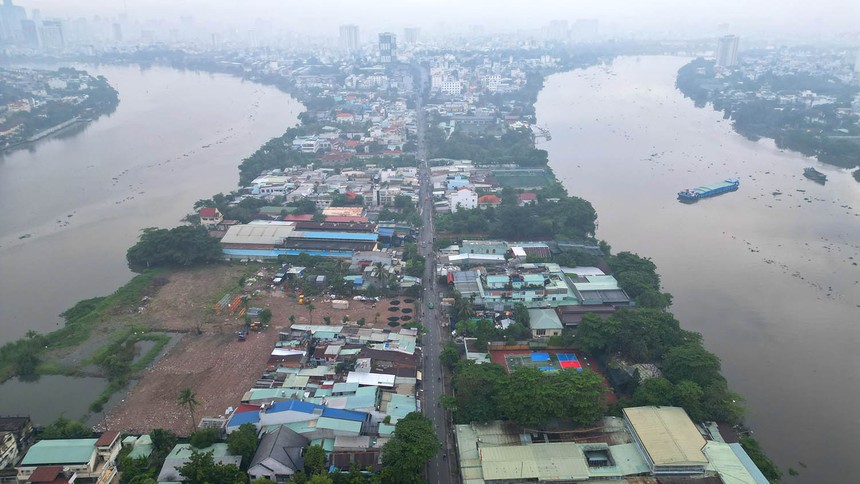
pixel 202 468
pixel 180 246
pixel 202 438
pixel 187 398
pixel 320 479
pixel 691 362
pixel 265 316
pixel 477 388
pixel 688 395
pixel 63 428
pixel 450 355
pixel 527 397
pixel 243 442
pixel 413 443
pixel 314 458
pixel 163 442
pixel 595 334
pixel 764 464
pixel 310 308
pixel 263 480
pixel 654 392
pixel 581 395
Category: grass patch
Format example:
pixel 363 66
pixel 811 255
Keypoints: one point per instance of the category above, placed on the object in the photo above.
pixel 23 357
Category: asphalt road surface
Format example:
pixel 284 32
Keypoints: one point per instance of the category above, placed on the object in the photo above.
pixel 439 467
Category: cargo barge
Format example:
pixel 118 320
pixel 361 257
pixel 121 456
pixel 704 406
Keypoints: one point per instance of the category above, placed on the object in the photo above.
pixel 815 175
pixel 705 191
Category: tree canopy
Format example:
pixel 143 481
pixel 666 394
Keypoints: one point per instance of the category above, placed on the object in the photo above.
pixel 413 443
pixel 201 467
pixel 180 246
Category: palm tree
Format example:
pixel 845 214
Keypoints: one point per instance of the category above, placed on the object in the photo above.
pixel 310 307
pixel 187 397
pixel 292 319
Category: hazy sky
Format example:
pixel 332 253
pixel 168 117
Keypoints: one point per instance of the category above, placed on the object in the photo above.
pixel 323 17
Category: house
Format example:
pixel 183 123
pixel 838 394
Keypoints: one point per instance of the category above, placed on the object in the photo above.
pixel 181 454
pixel 89 460
pixel 210 216
pixel 544 323
pixel 527 198
pixel 21 429
pixel 463 198
pixel 489 201
pixel 278 456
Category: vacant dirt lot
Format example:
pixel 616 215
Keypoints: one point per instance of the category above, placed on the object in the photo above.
pixel 214 365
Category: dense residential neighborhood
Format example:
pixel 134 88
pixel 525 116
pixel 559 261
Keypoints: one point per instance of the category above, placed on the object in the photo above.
pixel 399 289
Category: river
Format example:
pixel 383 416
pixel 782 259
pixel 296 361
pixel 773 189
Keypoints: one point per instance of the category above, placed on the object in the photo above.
pixel 74 203
pixel 768 274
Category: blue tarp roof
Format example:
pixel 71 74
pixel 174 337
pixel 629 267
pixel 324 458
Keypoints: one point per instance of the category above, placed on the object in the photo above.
pixel 243 418
pixel 294 405
pixel 344 414
pixel 386 232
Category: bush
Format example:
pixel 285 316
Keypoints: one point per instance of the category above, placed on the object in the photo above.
pixel 200 439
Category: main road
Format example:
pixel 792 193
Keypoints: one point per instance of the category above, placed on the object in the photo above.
pixel 438 469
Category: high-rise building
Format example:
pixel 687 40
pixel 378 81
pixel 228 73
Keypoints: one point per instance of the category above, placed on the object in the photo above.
pixel 411 34
pixel 387 48
pixel 51 35
pixel 350 42
pixel 10 21
pixel 727 51
pixel 558 30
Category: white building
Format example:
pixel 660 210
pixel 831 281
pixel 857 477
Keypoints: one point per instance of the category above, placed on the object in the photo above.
pixel 463 198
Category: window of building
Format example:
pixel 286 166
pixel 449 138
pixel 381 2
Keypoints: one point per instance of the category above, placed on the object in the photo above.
pixel 540 332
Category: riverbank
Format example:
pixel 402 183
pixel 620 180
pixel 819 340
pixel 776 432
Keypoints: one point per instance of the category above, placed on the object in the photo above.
pixel 766 273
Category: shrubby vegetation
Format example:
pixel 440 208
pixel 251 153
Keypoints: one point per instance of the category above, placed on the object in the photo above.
pixel 528 396
pixel 570 217
pixel 413 443
pixel 180 246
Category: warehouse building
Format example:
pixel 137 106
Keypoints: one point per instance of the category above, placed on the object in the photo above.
pixel 264 239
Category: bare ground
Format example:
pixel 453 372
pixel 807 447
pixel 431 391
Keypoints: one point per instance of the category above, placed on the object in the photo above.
pixel 214 365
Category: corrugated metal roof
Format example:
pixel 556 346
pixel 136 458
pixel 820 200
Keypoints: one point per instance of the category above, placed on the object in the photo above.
pixel 338 424
pixel 726 463
pixel 338 236
pixel 60 451
pixel 668 435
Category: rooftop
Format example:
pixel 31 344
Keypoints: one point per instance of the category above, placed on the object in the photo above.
pixel 61 451
pixel 667 435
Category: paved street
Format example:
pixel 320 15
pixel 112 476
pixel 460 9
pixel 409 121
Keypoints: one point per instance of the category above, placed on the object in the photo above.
pixel 438 470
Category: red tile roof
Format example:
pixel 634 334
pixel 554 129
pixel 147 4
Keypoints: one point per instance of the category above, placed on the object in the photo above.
pixel 489 199
pixel 207 212
pixel 526 196
pixel 106 439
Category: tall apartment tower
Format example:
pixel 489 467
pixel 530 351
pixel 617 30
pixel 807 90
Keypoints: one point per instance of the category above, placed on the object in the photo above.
pixel 411 34
pixel 727 51
pixel 387 48
pixel 349 38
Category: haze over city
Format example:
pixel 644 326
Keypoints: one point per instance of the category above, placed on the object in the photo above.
pixel 283 242
pixel 793 19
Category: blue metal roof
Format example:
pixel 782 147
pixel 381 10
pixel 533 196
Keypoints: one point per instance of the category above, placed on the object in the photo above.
pixel 295 406
pixel 386 232
pixel 243 418
pixel 344 414
pixel 340 236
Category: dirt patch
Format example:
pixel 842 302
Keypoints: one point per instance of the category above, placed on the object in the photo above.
pixel 189 297
pixel 216 367
pixel 283 306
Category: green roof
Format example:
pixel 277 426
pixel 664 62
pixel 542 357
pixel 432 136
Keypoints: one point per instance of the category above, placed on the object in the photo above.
pixel 386 429
pixel 61 451
pixel 183 451
pixel 338 424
